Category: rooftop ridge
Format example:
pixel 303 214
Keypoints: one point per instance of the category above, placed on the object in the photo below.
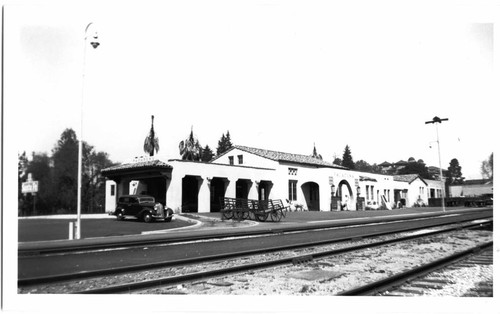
pixel 290 157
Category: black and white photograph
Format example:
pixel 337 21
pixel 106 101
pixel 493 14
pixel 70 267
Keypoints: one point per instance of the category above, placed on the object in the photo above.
pixel 257 156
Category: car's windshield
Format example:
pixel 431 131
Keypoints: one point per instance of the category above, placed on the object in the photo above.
pixel 146 200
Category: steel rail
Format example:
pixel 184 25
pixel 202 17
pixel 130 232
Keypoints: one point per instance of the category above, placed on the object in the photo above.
pixel 402 278
pixel 201 259
pixel 81 246
pixel 173 280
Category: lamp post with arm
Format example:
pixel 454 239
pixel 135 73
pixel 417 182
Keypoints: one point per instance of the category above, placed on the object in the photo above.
pixel 94 43
pixel 437 120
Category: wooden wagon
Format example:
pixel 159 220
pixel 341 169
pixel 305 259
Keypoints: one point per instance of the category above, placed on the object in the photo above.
pixel 243 208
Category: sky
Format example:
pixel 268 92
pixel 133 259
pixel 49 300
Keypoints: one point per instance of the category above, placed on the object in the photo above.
pixel 280 75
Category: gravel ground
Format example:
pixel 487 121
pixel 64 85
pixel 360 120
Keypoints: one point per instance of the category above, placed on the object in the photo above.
pixel 332 275
pixel 327 276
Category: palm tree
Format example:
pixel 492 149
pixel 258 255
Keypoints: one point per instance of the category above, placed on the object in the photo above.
pixel 190 149
pixel 151 142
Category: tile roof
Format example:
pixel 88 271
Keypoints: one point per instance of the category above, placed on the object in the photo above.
pixel 409 178
pixel 137 166
pixel 281 156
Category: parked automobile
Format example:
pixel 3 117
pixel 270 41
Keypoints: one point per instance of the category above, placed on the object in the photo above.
pixel 142 207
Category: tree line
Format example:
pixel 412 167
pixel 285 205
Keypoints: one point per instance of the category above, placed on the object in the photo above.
pixel 191 149
pixel 453 175
pixel 57 178
pixel 57 174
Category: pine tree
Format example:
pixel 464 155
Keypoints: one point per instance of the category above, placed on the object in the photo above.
pixel 224 144
pixel 207 154
pixel 65 161
pixel 347 160
pixel 454 173
pixel 229 144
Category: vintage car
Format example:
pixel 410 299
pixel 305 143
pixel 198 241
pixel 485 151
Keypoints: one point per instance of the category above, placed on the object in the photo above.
pixel 143 207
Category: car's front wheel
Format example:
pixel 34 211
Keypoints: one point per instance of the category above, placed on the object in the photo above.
pixel 147 217
pixel 120 215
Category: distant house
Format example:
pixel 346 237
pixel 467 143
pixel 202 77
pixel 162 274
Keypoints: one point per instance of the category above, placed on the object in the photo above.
pixel 434 172
pixel 396 167
pixel 412 188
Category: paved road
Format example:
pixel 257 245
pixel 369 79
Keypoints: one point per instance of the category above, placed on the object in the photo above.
pixel 52 228
pixel 49 229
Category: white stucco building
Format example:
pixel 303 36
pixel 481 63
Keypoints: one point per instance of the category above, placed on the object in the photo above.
pixel 246 172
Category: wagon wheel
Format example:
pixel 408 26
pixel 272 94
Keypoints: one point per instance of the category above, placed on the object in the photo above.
pixel 238 214
pixel 251 215
pixel 227 213
pixel 262 216
pixel 276 215
pixel 246 214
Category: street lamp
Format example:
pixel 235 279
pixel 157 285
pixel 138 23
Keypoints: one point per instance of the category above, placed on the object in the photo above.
pixel 435 121
pixel 94 43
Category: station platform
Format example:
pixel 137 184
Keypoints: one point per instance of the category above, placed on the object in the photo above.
pixel 102 227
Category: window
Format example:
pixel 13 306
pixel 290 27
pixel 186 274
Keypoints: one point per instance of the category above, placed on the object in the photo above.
pixel 368 192
pixel 231 160
pixel 292 190
pixel 112 192
pixel 372 191
pixel 292 171
pixel 240 159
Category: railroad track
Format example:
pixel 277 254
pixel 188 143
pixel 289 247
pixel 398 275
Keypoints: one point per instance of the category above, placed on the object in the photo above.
pixel 427 277
pixel 294 259
pixel 87 245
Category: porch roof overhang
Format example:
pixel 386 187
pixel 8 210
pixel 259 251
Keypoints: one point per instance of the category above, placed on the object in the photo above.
pixel 363 178
pixel 151 168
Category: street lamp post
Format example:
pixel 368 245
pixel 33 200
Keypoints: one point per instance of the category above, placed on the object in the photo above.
pixel 94 43
pixel 435 121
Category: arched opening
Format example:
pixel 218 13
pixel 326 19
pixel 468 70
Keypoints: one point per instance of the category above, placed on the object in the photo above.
pixel 217 191
pixel 243 188
pixel 311 195
pixel 264 189
pixel 347 199
pixel 190 190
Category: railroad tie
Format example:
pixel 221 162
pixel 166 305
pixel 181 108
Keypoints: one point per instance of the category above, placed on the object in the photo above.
pixel 302 259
